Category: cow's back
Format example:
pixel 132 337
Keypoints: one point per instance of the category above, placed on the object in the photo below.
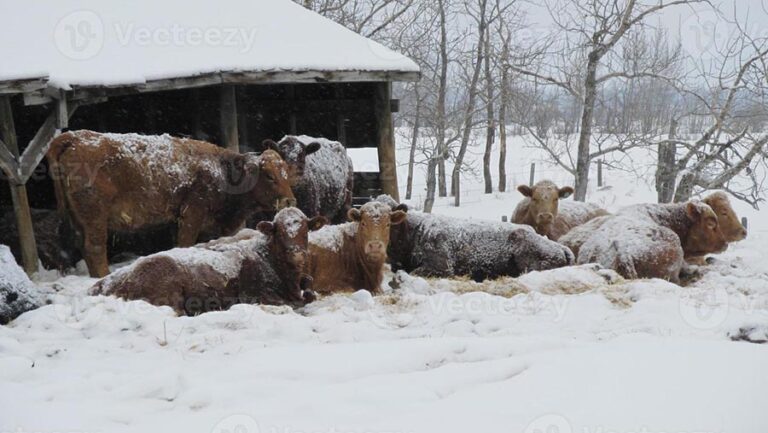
pixel 572 214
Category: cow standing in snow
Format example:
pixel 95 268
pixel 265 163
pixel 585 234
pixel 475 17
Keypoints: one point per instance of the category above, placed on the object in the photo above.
pixel 321 175
pixel 351 256
pixel 438 246
pixel 265 266
pixel 128 182
pixel 542 209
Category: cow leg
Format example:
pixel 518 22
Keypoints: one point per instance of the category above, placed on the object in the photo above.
pixel 95 246
pixel 190 223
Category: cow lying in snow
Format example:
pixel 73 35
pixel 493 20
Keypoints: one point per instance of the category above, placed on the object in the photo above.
pixel 127 182
pixel 542 209
pixel 321 175
pixel 679 218
pixel 438 246
pixel 351 256
pixel 266 266
pixel 638 247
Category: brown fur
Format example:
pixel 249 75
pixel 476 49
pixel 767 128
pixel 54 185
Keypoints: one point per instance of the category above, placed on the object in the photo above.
pixel 694 222
pixel 274 273
pixel 104 190
pixel 726 217
pixel 541 209
pixel 358 262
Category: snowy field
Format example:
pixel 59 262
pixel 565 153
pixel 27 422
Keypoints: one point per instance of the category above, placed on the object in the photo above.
pixel 564 351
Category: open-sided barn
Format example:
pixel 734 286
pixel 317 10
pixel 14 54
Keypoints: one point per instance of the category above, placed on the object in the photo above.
pixel 233 73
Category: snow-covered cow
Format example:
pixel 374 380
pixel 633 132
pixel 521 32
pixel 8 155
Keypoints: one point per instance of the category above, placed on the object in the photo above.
pixel 439 246
pixel 127 182
pixel 351 256
pixel 266 266
pixel 695 223
pixel 543 210
pixel 321 175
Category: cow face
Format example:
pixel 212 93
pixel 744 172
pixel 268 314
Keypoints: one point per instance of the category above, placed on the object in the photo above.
pixel 705 235
pixel 295 153
pixel 544 200
pixel 272 189
pixel 288 239
pixel 372 237
pixel 726 217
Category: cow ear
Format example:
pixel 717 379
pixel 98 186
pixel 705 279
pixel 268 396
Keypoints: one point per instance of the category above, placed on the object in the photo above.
pixel 312 148
pixel 317 223
pixel 565 192
pixel 353 215
pixel 266 227
pixel 525 190
pixel 265 145
pixel 403 207
pixel 693 211
pixel 397 217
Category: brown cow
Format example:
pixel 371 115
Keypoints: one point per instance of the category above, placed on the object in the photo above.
pixel 267 266
pixel 729 222
pixel 542 209
pixel 351 256
pixel 126 182
pixel 633 247
pixel 694 222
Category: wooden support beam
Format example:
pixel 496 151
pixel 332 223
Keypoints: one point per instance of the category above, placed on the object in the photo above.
pixel 38 147
pixel 19 192
pixel 291 99
pixel 341 128
pixel 386 140
pixel 9 164
pixel 229 135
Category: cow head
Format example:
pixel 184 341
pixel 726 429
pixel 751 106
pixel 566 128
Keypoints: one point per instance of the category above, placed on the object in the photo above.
pixel 544 200
pixel 532 252
pixel 372 237
pixel 726 217
pixel 705 235
pixel 269 177
pixel 288 240
pixel 294 152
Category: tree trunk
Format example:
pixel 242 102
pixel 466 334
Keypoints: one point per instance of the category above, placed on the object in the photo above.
pixel 585 136
pixel 503 117
pixel 490 134
pixel 437 159
pixel 666 175
pixel 469 113
pixel 414 141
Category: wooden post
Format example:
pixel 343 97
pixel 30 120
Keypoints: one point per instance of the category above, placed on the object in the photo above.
pixel 600 173
pixel 504 218
pixel 745 223
pixel 229 136
pixel 19 192
pixel 533 174
pixel 386 140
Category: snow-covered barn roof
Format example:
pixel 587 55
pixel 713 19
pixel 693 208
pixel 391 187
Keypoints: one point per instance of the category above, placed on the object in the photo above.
pixel 84 43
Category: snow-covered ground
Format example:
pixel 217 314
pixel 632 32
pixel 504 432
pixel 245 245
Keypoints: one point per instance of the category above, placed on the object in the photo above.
pixel 566 351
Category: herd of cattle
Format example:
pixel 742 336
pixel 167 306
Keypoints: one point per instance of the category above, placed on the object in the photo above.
pixel 292 191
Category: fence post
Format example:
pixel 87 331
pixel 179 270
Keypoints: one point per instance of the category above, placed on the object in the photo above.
pixel 745 223
pixel 600 173
pixel 503 218
pixel 533 174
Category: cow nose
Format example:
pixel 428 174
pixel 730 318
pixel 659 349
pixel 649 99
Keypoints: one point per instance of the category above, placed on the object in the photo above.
pixel 285 202
pixel 744 233
pixel 546 217
pixel 375 247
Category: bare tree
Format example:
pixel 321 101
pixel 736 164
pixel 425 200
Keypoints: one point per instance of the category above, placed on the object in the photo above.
pixel 596 27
